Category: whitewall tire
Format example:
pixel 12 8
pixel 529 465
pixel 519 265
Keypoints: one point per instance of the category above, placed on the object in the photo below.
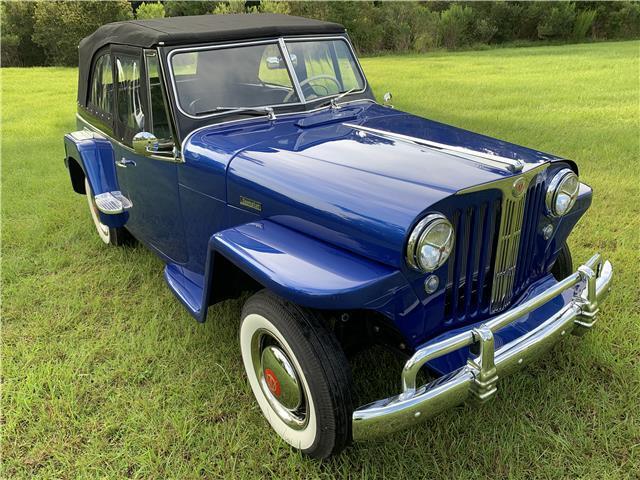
pixel 109 235
pixel 298 373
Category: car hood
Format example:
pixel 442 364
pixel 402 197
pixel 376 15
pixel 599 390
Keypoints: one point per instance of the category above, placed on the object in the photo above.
pixel 346 176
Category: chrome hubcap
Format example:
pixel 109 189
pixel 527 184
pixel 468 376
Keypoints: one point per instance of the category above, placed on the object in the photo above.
pixel 279 380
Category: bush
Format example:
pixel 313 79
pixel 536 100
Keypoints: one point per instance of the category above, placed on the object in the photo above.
pixel 625 22
pixel 361 19
pixel 18 49
pixel 183 8
pixel 583 23
pixel 273 6
pixel 484 30
pixel 455 26
pixel 59 26
pixel 37 33
pixel 150 10
pixel 427 36
pixel 233 6
pixel 557 22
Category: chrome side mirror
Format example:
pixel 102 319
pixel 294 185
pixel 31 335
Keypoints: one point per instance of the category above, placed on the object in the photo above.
pixel 145 143
pixel 387 99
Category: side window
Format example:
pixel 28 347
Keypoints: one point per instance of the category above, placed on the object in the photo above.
pixel 101 95
pixel 159 117
pixel 130 113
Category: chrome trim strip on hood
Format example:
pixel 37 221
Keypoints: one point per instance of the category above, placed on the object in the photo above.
pixel 508 164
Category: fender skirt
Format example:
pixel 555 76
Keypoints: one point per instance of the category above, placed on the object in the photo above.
pixel 297 267
pixel 95 155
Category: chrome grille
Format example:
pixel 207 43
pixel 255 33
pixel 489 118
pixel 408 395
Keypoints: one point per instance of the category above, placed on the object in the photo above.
pixel 496 254
pixel 507 252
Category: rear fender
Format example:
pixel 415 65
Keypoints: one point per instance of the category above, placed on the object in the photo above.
pixel 94 154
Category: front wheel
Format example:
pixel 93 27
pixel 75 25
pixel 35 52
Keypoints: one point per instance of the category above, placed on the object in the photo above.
pixel 298 373
pixel 563 266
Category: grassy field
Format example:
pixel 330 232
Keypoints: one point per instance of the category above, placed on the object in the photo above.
pixel 106 375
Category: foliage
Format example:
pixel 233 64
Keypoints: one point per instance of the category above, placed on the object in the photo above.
pixel 274 6
pixel 18 48
pixel 183 8
pixel 150 10
pixel 625 22
pixel 105 375
pixel 455 26
pixel 59 26
pixel 558 21
pixel 374 26
pixel 584 22
pixel 233 6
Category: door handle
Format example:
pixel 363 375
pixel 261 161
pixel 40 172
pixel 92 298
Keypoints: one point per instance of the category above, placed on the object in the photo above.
pixel 125 162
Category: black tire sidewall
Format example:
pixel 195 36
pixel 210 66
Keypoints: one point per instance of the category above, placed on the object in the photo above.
pixel 323 365
pixel 563 266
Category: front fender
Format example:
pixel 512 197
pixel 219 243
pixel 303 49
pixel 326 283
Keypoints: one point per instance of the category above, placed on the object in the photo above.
pixel 94 154
pixel 307 271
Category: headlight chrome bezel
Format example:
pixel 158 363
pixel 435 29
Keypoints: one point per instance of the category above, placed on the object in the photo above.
pixel 556 187
pixel 418 238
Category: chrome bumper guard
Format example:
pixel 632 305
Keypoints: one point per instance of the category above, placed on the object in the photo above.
pixel 478 378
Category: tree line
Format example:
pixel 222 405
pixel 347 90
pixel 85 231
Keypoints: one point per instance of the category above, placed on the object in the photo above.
pixel 47 33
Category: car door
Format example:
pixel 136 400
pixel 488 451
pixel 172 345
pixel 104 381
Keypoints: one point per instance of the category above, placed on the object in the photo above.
pixel 151 179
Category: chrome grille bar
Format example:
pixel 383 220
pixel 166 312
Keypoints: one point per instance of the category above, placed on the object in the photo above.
pixel 507 252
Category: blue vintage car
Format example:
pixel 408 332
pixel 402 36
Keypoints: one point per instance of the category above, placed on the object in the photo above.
pixel 249 153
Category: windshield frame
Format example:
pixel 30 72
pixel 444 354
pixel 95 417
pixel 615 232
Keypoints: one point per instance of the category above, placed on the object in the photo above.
pixel 281 43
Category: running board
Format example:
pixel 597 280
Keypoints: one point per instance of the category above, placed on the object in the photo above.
pixel 188 287
pixel 112 203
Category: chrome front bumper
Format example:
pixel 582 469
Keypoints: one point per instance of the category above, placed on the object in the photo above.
pixel 478 378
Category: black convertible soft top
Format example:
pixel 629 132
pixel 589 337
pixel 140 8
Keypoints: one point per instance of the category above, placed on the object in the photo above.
pixel 194 29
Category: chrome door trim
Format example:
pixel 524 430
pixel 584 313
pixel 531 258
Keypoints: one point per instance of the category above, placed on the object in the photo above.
pixel 88 126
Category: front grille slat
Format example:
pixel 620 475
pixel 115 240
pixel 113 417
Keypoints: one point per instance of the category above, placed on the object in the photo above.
pixel 508 243
pixel 494 256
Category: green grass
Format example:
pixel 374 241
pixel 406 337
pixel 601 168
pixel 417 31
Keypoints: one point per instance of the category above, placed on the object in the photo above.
pixel 106 375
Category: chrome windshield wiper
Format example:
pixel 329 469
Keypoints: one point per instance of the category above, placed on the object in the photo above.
pixel 268 111
pixel 334 101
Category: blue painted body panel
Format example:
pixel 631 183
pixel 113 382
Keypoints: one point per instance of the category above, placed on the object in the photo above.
pixel 95 157
pixel 280 259
pixel 335 209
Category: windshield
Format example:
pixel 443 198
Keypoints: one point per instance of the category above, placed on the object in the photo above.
pixel 249 76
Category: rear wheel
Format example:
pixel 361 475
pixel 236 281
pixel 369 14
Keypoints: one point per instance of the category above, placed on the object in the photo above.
pixel 298 373
pixel 109 235
pixel 564 263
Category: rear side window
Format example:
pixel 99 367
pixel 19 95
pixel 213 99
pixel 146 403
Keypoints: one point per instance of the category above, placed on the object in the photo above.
pixel 101 97
pixel 130 112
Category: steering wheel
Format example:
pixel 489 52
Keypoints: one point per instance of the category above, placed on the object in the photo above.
pixel 307 81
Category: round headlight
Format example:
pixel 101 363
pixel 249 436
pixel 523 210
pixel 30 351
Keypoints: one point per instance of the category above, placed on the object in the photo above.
pixel 430 243
pixel 562 192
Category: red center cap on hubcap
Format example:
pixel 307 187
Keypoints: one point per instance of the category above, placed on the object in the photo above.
pixel 272 381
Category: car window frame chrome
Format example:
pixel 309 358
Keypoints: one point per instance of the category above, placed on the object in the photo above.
pixel 174 157
pixel 345 39
pixel 281 42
